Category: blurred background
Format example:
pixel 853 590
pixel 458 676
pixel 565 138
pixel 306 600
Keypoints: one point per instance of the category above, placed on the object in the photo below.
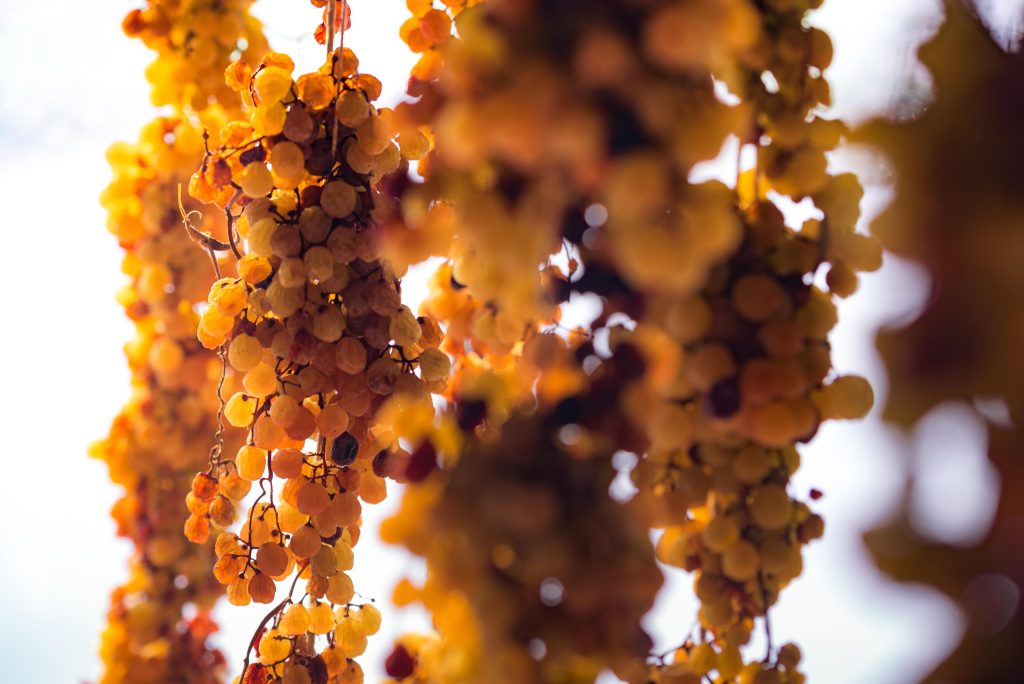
pixel 71 84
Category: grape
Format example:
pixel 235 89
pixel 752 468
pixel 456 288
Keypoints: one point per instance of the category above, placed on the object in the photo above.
pixel 314 224
pixel 344 449
pixel 305 542
pixel 260 381
pixel 434 365
pixel 339 589
pixel 204 486
pixel 197 528
pixel 721 533
pixel 708 365
pixel 266 434
pixel 272 83
pixel 238 592
pixel 316 90
pixel 296 674
pixel 688 319
pixel 338 199
pixel 244 352
pixel 237 75
pixel 268 119
pixel 352 109
pixel 350 355
pixel 373 135
pixel 740 561
pixel 284 410
pixel 319 263
pixel 847 397
pixel 351 638
pixel 343 556
pixel 288 163
pixel 287 463
pixel 371 618
pixel 324 563
pixel 261 590
pixel 332 421
pixel 240 409
pixel 272 559
pixel 757 298
pixel 399 663
pixel 311 498
pixel 404 329
pixel 770 506
pixel 274 646
pixel 321 619
pixel 295 620
pixel 222 511
pixel 251 462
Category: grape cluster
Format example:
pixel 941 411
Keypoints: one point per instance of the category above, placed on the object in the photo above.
pixel 158 622
pixel 316 338
pixel 194 40
pixel 532 127
pixel 523 546
pixel 746 371
pixel 575 127
pixel 162 432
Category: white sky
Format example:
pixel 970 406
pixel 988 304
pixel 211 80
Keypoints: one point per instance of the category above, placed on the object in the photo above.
pixel 71 84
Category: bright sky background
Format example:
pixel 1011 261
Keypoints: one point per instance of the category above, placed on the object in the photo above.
pixel 71 84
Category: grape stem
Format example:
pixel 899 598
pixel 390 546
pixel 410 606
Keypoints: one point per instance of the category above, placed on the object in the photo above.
pixel 332 9
pixel 330 53
pixel 232 242
pixel 217 451
pixel 332 16
pixel 211 243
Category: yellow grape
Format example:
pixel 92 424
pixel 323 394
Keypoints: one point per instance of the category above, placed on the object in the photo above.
pixel 295 620
pixel 244 352
pixel 256 181
pixel 260 381
pixel 288 162
pixel 239 410
pixel 274 646
pixel 272 84
pixel 251 462
pixel 740 561
pixel 321 618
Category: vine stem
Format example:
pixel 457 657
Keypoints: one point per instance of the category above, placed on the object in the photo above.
pixel 330 55
pixel 217 452
pixel 332 14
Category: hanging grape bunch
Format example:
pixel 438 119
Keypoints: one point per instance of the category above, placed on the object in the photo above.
pixel 314 328
pixel 159 620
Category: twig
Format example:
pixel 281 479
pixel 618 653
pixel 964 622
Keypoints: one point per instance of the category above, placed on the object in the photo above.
pixel 200 237
pixel 231 223
pixel 332 14
pixel 217 451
